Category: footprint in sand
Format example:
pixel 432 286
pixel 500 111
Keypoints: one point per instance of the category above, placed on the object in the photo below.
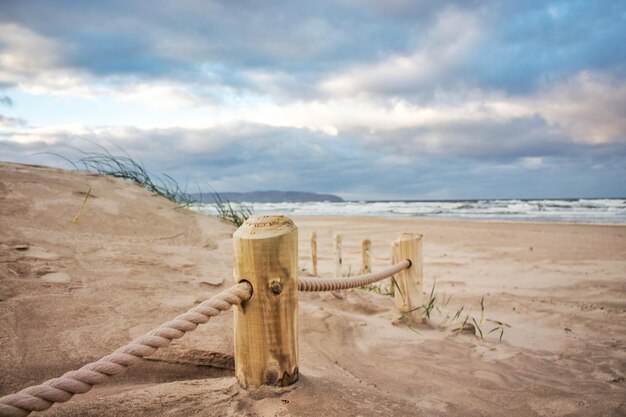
pixel 557 407
pixel 58 277
pixel 433 404
pixel 211 282
pixel 495 378
pixel 35 252
pixel 177 261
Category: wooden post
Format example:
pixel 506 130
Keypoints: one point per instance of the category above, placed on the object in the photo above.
pixel 366 256
pixel 266 329
pixel 337 250
pixel 314 253
pixel 392 287
pixel 410 281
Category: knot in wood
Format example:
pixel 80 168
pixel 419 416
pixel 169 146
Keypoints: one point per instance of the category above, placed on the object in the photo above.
pixel 276 287
pixel 271 377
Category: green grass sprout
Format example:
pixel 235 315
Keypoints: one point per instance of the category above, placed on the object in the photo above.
pixel 436 303
pixel 75 219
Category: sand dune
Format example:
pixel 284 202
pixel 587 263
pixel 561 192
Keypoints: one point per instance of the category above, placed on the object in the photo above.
pixel 70 293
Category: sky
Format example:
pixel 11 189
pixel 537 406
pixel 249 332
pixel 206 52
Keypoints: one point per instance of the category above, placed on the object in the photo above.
pixel 395 99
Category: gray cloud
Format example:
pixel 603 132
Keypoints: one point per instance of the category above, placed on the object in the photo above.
pixel 453 98
pixel 522 43
pixel 252 157
pixel 517 138
pixel 6 101
pixel 11 122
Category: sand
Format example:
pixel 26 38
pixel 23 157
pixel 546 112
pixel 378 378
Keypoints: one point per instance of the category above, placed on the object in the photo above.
pixel 70 293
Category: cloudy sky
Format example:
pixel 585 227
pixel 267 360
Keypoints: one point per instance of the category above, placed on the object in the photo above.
pixel 395 99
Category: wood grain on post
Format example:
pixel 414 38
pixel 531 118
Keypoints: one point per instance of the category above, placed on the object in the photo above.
pixel 337 250
pixel 266 330
pixel 392 287
pixel 408 295
pixel 366 256
pixel 314 253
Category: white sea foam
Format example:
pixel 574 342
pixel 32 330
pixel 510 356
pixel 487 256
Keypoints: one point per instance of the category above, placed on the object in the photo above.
pixel 574 211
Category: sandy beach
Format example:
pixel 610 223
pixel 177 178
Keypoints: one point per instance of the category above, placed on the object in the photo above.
pixel 73 292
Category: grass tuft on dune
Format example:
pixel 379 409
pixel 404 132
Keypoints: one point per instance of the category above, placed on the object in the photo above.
pixel 124 166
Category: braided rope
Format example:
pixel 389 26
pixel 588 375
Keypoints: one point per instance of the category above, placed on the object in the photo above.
pixel 332 284
pixel 56 390
pixel 43 396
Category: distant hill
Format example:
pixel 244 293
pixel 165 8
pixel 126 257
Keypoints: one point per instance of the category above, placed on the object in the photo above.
pixel 271 197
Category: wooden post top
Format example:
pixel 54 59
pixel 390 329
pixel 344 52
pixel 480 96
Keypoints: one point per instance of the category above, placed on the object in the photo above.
pixel 264 227
pixel 404 236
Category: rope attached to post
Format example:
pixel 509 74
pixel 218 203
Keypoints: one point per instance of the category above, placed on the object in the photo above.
pixel 332 284
pixel 43 396
pixel 56 390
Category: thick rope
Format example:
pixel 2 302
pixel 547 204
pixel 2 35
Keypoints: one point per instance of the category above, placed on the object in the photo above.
pixel 56 390
pixel 332 284
pixel 43 396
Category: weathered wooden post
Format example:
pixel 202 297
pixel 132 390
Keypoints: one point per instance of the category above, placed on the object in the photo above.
pixel 408 295
pixel 266 328
pixel 366 256
pixel 337 250
pixel 314 253
pixel 392 287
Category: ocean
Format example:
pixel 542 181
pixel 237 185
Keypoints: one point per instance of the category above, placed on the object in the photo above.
pixel 557 210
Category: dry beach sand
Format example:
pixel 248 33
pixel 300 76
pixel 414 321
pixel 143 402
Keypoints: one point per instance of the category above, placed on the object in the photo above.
pixel 70 293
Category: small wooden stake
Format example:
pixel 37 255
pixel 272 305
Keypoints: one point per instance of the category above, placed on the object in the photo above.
pixel 337 250
pixel 266 330
pixel 314 253
pixel 408 295
pixel 366 256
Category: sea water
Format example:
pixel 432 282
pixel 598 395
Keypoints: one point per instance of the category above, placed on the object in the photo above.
pixel 557 210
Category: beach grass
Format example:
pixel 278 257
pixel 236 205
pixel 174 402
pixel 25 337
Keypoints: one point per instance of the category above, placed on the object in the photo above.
pixel 104 162
pixel 235 214
pixel 438 304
